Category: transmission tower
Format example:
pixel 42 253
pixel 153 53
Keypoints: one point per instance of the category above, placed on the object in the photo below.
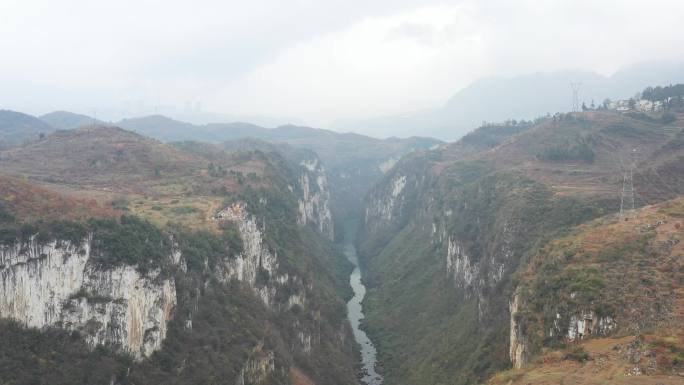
pixel 575 95
pixel 627 198
pixel 627 201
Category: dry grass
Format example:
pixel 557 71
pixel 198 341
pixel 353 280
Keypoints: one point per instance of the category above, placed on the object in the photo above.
pixel 191 212
pixel 30 202
pixel 648 271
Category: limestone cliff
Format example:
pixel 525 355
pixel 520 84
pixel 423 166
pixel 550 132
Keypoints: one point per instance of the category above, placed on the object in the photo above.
pixel 314 203
pixel 519 349
pixel 57 284
pixel 258 267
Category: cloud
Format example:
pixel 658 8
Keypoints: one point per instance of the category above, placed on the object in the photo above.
pixel 367 68
pixel 318 60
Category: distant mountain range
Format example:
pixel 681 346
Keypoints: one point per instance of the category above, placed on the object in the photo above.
pixel 353 161
pixel 16 128
pixel 65 120
pixel 522 97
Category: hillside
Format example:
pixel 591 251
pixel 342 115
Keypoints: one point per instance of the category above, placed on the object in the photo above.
pixel 174 264
pixel 17 128
pixel 65 120
pixel 99 156
pixel 604 303
pixel 446 231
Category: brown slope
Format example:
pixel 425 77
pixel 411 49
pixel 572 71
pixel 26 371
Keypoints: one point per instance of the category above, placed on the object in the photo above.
pixel 640 264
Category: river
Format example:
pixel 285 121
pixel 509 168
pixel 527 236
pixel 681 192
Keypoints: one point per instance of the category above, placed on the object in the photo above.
pixel 355 313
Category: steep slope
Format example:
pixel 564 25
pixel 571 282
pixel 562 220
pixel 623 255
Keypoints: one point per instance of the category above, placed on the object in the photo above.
pixel 17 128
pixel 353 162
pixel 213 273
pixel 611 292
pixel 65 120
pixel 446 230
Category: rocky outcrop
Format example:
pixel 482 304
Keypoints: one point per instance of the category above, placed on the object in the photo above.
pixel 385 204
pixel 314 203
pixel 258 368
pixel 258 267
pixel 519 348
pixel 459 265
pixel 57 284
pixel 384 209
pixel 585 324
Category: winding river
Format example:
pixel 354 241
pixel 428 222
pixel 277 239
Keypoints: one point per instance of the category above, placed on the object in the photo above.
pixel 355 313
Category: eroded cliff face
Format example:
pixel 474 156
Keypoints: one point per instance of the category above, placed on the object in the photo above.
pixel 385 204
pixel 57 284
pixel 258 267
pixel 519 349
pixel 314 203
pixel 258 368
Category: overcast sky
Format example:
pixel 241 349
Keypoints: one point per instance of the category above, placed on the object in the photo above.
pixel 316 60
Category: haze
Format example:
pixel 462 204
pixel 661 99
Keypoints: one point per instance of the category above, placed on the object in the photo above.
pixel 309 62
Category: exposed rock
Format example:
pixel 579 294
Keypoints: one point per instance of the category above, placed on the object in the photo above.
pixel 314 204
pixel 518 342
pixel 258 368
pixel 383 205
pixel 56 284
pixel 588 323
pixel 458 264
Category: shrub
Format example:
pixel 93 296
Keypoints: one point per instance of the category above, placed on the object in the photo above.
pixel 576 353
pixel 580 151
pixel 182 210
pixel 668 118
pixel 130 241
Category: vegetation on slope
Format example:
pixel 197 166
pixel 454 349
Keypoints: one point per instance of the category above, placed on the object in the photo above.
pixel 438 321
pixel 169 194
pixel 459 327
pixel 630 270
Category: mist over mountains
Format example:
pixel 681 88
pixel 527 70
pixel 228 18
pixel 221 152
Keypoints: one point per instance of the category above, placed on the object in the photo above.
pixel 529 96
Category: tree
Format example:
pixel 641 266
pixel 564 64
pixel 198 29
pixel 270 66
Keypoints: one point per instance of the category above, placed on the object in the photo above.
pixel 632 103
pixel 584 106
pixel 606 103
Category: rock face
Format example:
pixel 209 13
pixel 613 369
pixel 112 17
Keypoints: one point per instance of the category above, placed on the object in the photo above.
pixel 56 284
pixel 257 266
pixel 256 260
pixel 518 348
pixel 314 204
pixel 587 323
pixel 386 204
pixel 458 264
pixel 258 368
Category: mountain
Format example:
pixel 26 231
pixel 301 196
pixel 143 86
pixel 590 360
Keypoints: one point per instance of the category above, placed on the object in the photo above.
pixel 65 120
pixel 523 97
pixel 17 128
pixel 99 156
pixel 468 239
pixel 174 263
pixel 353 162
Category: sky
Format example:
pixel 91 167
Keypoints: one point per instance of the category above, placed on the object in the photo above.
pixel 308 61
